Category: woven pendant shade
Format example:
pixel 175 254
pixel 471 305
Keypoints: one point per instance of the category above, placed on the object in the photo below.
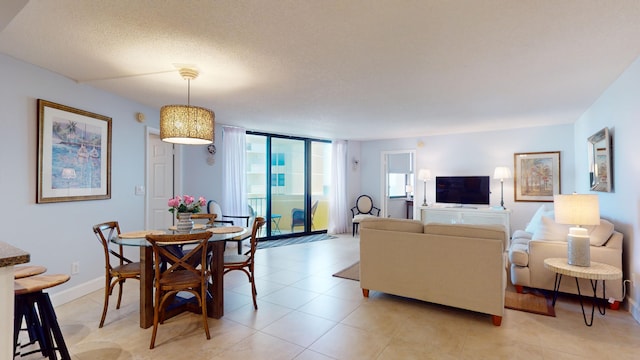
pixel 184 124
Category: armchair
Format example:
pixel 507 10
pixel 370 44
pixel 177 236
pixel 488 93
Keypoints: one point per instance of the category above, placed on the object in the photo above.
pixel 364 209
pixel 214 208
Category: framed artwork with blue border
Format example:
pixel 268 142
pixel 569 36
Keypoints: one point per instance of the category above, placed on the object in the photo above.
pixel 74 154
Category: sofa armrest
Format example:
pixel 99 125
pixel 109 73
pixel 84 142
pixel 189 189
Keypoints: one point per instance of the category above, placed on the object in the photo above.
pixel 614 242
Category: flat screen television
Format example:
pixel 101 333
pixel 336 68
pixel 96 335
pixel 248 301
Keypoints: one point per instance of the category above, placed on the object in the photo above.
pixel 462 190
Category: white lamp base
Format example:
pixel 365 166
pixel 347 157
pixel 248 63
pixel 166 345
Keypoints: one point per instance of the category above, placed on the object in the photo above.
pixel 578 247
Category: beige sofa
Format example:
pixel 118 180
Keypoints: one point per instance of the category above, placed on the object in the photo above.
pixel 543 239
pixel 461 266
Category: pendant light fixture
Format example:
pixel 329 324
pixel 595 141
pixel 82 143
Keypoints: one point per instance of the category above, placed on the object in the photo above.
pixel 186 124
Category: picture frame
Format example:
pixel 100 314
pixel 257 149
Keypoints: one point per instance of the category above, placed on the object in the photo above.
pixel 74 154
pixel 536 176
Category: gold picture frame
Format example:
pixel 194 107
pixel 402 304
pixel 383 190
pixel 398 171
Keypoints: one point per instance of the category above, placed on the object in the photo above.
pixel 74 154
pixel 537 176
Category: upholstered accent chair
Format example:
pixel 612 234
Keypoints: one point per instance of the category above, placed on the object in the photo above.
pixel 364 209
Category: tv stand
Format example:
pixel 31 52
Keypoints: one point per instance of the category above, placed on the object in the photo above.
pixel 467 215
pixel 461 207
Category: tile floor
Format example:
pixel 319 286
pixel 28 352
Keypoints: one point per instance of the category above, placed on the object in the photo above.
pixel 306 314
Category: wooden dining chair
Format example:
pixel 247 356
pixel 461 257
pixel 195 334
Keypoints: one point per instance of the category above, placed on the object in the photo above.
pixel 210 218
pixel 245 262
pixel 117 271
pixel 186 273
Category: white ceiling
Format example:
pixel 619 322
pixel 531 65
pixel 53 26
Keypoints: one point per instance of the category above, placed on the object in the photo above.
pixel 340 69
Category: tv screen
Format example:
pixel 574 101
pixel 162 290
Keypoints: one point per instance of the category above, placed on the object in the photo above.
pixel 462 190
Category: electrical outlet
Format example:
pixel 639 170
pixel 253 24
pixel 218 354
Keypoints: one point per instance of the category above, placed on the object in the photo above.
pixel 75 267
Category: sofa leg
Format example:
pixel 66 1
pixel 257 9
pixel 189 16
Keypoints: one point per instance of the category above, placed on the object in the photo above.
pixel 365 293
pixel 519 289
pixel 497 320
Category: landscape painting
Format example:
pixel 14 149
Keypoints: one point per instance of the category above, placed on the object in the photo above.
pixel 74 154
pixel 537 176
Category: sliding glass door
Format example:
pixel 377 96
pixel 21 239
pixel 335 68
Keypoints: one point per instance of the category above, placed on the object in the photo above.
pixel 288 183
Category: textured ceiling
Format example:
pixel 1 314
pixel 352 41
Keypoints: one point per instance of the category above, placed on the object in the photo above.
pixel 340 69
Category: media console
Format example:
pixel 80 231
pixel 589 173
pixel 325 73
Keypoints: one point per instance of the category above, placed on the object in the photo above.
pixel 466 215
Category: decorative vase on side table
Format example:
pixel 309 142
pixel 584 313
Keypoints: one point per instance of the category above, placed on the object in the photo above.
pixel 184 224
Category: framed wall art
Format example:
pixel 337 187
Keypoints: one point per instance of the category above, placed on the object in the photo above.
pixel 74 154
pixel 537 176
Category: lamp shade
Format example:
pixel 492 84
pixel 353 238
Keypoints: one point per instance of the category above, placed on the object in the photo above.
pixel 408 188
pixel 576 209
pixel 502 172
pixel 424 174
pixel 185 124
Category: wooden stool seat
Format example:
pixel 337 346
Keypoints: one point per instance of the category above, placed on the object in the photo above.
pixel 33 306
pixel 22 271
pixel 33 284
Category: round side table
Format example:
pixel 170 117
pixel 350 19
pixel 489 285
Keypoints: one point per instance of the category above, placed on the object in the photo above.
pixel 597 271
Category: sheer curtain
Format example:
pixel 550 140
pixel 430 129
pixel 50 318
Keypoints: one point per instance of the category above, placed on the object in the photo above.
pixel 234 199
pixel 338 218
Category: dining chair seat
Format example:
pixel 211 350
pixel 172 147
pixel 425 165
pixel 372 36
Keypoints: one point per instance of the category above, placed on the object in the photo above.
pixel 179 280
pixel 127 270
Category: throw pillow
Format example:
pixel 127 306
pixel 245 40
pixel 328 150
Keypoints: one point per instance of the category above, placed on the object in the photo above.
pixel 536 220
pixel 599 234
pixel 551 231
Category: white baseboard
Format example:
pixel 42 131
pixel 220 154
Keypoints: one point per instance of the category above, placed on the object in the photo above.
pixel 77 291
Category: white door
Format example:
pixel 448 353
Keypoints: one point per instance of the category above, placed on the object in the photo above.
pixel 159 181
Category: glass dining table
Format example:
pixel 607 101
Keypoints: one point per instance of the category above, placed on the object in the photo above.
pixel 215 306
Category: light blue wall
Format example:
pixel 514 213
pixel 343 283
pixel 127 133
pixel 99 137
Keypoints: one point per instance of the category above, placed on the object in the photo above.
pixel 58 234
pixel 474 154
pixel 618 109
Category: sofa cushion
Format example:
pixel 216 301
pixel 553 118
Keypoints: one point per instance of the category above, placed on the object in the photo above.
pixel 405 225
pixel 599 234
pixel 466 230
pixel 521 234
pixel 551 231
pixel 536 220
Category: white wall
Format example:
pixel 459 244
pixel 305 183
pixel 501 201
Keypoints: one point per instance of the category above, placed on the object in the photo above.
pixel 58 234
pixel 200 178
pixel 474 154
pixel 618 109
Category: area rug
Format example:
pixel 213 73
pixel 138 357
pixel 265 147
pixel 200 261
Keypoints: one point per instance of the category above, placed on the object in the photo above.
pixel 293 241
pixel 351 273
pixel 533 301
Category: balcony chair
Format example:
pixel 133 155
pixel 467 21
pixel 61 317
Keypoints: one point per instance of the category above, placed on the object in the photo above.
pixel 297 216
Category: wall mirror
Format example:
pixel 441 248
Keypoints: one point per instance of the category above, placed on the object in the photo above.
pixel 600 161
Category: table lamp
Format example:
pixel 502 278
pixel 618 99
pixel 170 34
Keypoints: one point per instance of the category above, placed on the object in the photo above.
pixel 502 172
pixel 409 190
pixel 424 175
pixel 577 210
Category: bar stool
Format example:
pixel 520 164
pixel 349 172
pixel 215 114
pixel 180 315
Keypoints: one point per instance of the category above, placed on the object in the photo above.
pixel 42 324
